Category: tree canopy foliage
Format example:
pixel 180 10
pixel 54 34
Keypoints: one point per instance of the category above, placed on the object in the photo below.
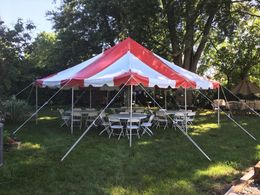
pixel 218 36
pixel 14 67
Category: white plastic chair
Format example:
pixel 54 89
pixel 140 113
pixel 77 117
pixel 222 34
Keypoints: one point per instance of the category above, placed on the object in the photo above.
pixel 190 117
pixel 179 118
pixel 77 119
pixel 147 125
pixel 90 118
pixel 133 126
pixel 104 123
pixel 65 118
pixel 161 119
pixel 116 127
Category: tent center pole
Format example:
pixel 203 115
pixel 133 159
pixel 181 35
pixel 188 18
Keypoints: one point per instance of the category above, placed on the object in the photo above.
pixel 72 109
pixel 131 115
pixel 165 99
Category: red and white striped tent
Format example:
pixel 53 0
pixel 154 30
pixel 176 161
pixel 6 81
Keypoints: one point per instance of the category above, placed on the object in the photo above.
pixel 127 61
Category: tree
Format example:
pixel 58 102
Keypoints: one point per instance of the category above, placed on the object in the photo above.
pixel 237 57
pixel 42 54
pixel 13 65
pixel 190 23
pixel 176 29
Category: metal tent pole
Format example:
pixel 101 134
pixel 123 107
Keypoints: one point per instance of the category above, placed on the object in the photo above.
pixel 218 108
pixel 131 115
pixel 72 109
pixel 165 98
pixel 154 96
pixel 185 107
pixel 36 104
pixel 90 97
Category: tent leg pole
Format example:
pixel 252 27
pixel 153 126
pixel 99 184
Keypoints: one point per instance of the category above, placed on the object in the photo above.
pixel 90 97
pixel 154 96
pixel 36 104
pixel 185 107
pixel 131 115
pixel 165 99
pixel 218 108
pixel 72 109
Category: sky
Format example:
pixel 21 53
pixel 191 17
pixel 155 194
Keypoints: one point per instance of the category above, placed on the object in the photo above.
pixel 33 10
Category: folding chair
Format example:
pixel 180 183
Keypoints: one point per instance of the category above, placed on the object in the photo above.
pixel 161 119
pixel 147 125
pixel 77 119
pixel 133 126
pixel 116 127
pixel 104 123
pixel 65 118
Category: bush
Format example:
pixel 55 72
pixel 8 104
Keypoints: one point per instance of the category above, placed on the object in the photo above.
pixel 15 110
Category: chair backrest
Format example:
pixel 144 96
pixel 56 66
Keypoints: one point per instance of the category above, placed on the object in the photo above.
pixel 134 121
pixel 114 121
pixel 77 114
pixel 151 118
pixel 179 114
pixel 161 113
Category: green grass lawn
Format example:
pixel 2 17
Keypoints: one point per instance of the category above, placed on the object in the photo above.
pixel 166 163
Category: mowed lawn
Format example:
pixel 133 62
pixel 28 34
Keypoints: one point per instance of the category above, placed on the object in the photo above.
pixel 166 163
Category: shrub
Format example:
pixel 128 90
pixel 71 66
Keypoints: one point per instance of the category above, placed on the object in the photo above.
pixel 15 110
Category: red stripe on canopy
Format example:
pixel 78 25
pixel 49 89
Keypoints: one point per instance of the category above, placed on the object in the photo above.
pixel 107 59
pixel 152 61
pixel 132 78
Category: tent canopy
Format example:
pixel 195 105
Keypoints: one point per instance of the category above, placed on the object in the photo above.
pixel 246 88
pixel 127 61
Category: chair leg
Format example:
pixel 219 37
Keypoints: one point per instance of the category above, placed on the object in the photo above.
pixel 137 132
pixel 149 130
pixel 105 129
pixel 111 133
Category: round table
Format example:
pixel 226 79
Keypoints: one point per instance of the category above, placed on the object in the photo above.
pixel 127 116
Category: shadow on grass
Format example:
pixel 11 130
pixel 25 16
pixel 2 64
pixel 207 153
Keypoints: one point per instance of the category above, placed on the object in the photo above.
pixel 166 163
